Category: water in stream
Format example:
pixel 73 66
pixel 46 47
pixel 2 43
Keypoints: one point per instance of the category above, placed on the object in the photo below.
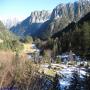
pixel 69 81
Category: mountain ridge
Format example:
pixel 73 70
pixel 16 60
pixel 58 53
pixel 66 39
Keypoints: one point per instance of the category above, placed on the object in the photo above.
pixel 31 23
pixel 40 23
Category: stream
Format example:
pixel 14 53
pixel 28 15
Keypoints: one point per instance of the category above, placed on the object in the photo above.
pixel 68 75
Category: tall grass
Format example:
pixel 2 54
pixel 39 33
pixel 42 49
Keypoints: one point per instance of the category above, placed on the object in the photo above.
pixel 22 74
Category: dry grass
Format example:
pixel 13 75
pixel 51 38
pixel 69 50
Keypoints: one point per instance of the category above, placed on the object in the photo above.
pixel 6 56
pixel 16 71
pixel 19 72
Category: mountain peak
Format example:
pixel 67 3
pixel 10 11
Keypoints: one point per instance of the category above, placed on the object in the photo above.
pixel 39 16
pixel 43 23
pixel 71 10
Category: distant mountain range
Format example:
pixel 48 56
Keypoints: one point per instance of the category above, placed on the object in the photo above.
pixel 31 24
pixel 10 22
pixel 43 24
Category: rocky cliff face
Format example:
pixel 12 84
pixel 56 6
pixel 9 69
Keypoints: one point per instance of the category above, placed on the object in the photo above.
pixel 41 23
pixel 73 11
pixel 39 16
pixel 31 24
pixel 64 14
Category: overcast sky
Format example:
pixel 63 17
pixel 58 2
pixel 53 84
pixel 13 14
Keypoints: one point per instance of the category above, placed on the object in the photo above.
pixel 23 8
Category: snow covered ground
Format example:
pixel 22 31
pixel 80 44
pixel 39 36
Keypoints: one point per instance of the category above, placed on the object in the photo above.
pixel 67 75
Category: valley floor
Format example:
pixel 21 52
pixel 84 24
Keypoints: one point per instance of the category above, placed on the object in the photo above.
pixel 10 68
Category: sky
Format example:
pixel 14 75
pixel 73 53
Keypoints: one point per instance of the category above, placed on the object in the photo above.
pixel 23 8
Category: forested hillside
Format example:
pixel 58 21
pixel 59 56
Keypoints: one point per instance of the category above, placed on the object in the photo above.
pixel 76 37
pixel 8 40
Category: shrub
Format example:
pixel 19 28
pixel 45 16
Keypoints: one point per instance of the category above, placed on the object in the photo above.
pixel 58 60
pixel 28 39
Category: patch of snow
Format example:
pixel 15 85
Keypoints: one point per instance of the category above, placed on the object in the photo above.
pixel 45 65
pixel 67 76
